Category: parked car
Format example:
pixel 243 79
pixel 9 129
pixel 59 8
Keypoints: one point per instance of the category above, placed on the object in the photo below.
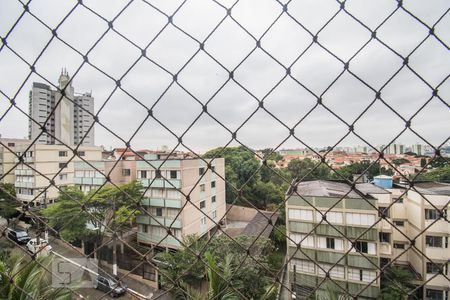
pixel 110 286
pixel 34 247
pixel 18 236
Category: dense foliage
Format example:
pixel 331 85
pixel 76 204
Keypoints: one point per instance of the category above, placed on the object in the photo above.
pixel 8 202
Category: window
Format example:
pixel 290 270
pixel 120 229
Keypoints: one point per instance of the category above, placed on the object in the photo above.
pixel 202 204
pixel 360 219
pixel 62 153
pixel 203 220
pixel 307 242
pixel 157 173
pixel 431 214
pixel 144 228
pixel 365 247
pixel 303 266
pixel 126 172
pixel 301 214
pixel 173 194
pixel 434 294
pixel 213 199
pixel 213 169
pixel 214 214
pixel 383 210
pixel 159 211
pixel 433 241
pixel 81 153
pixel 330 243
pixel 213 184
pixel 399 223
pixel 399 246
pixel 202 187
pixel 385 237
pixel 142 174
pixel 201 171
pixel 158 193
pixel 361 275
pixel 173 175
pixel 399 200
pixel 62 165
pixel 336 272
pixel 332 217
pixel 433 268
pixel 62 176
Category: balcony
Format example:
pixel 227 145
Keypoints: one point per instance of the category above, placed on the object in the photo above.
pixel 88 180
pixel 24 184
pixel 169 240
pixel 158 221
pixel 385 249
pixel 172 203
pixel 161 183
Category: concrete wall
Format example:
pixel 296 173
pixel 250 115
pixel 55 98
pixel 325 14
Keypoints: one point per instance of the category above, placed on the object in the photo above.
pixel 240 213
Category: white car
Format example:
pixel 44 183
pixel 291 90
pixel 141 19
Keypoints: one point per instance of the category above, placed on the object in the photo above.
pixel 34 247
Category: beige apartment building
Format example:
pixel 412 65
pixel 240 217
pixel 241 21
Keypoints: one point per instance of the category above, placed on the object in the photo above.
pixel 407 215
pixel 43 163
pixel 167 206
pixel 7 158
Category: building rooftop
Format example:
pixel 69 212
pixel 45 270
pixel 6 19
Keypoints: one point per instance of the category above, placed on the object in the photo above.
pixel 433 188
pixel 369 188
pixel 335 189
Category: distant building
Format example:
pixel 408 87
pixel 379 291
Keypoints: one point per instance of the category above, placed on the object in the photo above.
pixel 67 122
pixel 7 158
pixel 417 149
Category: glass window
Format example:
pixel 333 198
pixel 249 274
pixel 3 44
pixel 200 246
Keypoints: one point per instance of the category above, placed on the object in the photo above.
pixel 303 266
pixel 213 184
pixel 399 223
pixel 213 199
pixel 203 220
pixel 62 165
pixel 433 241
pixel 399 246
pixel 173 175
pixel 126 172
pixel 434 294
pixel 142 174
pixel 384 210
pixel 202 187
pixel 332 217
pixel 301 214
pixel 214 214
pixel 81 153
pixel 202 204
pixel 159 211
pixel 201 171
pixel 307 242
pixel 433 268
pixel 62 153
pixel 385 237
pixel 173 194
pixel 431 214
pixel 335 272
pixel 330 243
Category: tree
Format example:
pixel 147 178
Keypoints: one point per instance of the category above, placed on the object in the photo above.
pixel 8 202
pixel 400 161
pixel 269 155
pixel 396 283
pixel 31 280
pixel 301 169
pixel 438 174
pixel 364 167
pixel 440 162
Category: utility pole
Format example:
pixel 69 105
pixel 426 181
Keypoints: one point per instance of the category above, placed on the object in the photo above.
pixel 114 239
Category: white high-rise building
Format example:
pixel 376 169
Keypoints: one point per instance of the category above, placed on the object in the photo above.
pixel 68 122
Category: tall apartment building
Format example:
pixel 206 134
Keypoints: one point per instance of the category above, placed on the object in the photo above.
pixel 312 245
pixel 164 202
pixel 385 243
pixel 41 163
pixel 69 123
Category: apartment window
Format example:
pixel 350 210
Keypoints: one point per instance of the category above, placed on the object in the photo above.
pixel 335 272
pixel 360 219
pixel 213 184
pixel 126 172
pixel 62 153
pixel 144 228
pixel 431 214
pixel 330 243
pixel 62 165
pixel 201 171
pixel 158 193
pixel 399 223
pixel 305 266
pixel 385 237
pixel 214 214
pixel 81 153
pixel 173 194
pixel 158 174
pixel 434 294
pixel 307 241
pixel 383 210
pixel 433 241
pixel 62 176
pixel 399 246
pixel 202 204
pixel 213 169
pixel 433 268
pixel 332 217
pixel 365 247
pixel 203 220
pixel 30 153
pixel 301 214
pixel 142 174
pixel 173 174
pixel 11 144
pixel 213 199
pixel 159 211
pixel 202 187
pixel 361 275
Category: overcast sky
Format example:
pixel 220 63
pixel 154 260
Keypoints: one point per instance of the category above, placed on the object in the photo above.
pixel 258 73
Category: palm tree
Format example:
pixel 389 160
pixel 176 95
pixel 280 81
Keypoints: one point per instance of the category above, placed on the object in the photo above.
pixel 31 280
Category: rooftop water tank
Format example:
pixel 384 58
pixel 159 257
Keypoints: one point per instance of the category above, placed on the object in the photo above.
pixel 383 181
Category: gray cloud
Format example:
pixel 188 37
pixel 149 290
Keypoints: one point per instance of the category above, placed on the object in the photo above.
pixel 229 45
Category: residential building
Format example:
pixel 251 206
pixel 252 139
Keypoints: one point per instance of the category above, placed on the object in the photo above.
pixel 7 156
pixel 417 149
pixel 167 182
pixel 420 215
pixel 315 246
pixel 68 119
pixel 43 163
